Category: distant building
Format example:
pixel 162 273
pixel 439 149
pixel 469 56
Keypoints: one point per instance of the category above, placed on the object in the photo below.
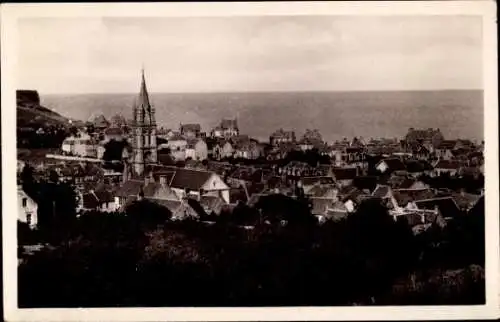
pixel 282 137
pixel 222 150
pixel 390 165
pixel 80 145
pixel 113 133
pixel 196 149
pixel 27 209
pixel 446 167
pixel 227 128
pixel 99 122
pixel 430 138
pixel 190 130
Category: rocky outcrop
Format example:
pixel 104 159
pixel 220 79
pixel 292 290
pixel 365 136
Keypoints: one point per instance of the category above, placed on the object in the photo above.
pixel 27 98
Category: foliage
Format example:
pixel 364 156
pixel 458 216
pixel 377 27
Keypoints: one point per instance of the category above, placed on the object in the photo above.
pixel 141 258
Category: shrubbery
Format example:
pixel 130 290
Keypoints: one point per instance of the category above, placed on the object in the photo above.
pixel 142 259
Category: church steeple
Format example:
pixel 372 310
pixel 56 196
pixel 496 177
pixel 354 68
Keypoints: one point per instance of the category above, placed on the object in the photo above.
pixel 143 95
pixel 145 147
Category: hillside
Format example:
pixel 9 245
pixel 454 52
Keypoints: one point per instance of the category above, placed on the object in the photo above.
pixel 38 126
pixel 31 113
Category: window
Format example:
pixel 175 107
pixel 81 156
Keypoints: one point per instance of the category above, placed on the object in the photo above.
pixel 25 202
pixel 28 219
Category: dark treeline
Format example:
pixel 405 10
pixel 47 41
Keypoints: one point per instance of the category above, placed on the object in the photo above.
pixel 30 137
pixel 144 259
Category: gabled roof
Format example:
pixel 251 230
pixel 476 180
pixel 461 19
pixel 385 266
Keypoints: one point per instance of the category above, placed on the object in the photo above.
pixel 447 164
pixel 320 180
pixel 113 131
pixel 160 191
pixel 255 198
pixel 350 193
pixel 381 191
pixel 320 205
pixel 190 179
pixel 195 127
pixel 446 206
pixel 404 196
pixel 465 200
pixel 413 166
pixel 322 192
pixel 90 201
pixel 130 188
pixel 447 145
pixel 366 182
pixel 394 164
pixel 212 203
pixel 344 173
pixel 229 124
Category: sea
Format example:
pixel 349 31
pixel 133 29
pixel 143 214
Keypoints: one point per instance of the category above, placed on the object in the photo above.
pixel 337 115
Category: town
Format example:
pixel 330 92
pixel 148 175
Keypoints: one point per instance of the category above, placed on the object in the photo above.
pixel 421 177
pixel 230 220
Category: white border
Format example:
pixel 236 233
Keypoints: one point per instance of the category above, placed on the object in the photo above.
pixel 11 12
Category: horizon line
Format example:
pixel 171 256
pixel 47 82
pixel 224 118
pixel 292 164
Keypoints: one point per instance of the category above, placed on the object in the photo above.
pixel 271 91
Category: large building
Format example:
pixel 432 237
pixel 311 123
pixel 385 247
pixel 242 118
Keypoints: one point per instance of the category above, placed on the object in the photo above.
pixel 145 150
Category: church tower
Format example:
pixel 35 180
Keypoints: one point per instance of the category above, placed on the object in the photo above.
pixel 144 132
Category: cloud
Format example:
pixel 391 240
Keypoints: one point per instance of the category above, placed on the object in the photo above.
pixel 251 53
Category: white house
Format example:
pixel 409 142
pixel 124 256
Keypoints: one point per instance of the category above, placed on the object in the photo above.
pixel 197 183
pixel 177 146
pixel 80 145
pixel 27 209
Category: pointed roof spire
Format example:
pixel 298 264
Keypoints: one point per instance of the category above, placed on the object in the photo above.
pixel 143 94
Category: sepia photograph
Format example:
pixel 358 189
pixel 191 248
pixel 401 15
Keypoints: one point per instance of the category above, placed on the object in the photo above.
pixel 249 156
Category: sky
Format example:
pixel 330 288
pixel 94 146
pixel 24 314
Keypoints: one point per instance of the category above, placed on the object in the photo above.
pixel 239 54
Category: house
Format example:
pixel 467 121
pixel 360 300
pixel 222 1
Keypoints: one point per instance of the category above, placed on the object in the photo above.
pixel 227 128
pixel 402 197
pixel 148 189
pixel 99 122
pixel 177 146
pixel 312 136
pixel 113 133
pixel 445 150
pixel 100 200
pixel 387 166
pixel 309 182
pixel 190 130
pixel 282 137
pixel 446 167
pixel 249 149
pixel 428 137
pixel 344 176
pixel 366 184
pixel 447 206
pixel 465 201
pixel 190 182
pixel 416 168
pixel 27 209
pixel 306 144
pixel 351 197
pixel 322 191
pixel 223 149
pixel 382 192
pixel 80 144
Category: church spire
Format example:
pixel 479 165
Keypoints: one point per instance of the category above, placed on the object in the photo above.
pixel 143 94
